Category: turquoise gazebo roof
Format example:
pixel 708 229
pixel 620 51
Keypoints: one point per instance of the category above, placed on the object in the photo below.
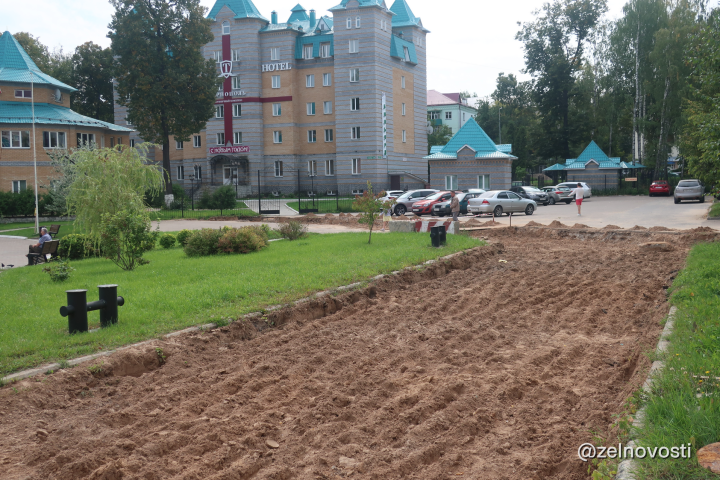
pixel 241 9
pixel 470 135
pixel 554 168
pixel 592 153
pixel 16 66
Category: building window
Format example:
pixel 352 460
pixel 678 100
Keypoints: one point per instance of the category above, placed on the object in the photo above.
pixel 348 22
pixel 19 186
pixel 312 137
pixel 276 81
pixel 404 137
pixel 356 166
pixel 312 168
pixel 324 50
pixel 237 109
pixel 354 46
pixel 327 108
pixel 198 172
pixel 355 103
pixel 277 136
pixel 278 168
pixel 484 182
pixel 463 117
pixel 310 108
pixel 197 143
pixel 236 83
pixel 434 115
pixel 406 52
pixel 180 172
pixel 82 139
pixel 226 28
pixel 451 182
pixel 403 109
pixel 326 80
pixel 274 53
pixel 277 110
pixel 112 142
pixel 328 135
pixel 132 143
pixel 329 168
pixel 448 115
pixel 238 138
pixel 355 133
pixel 54 140
pixel 220 138
pixel 15 139
pixel 310 80
pixel 119 140
pixel 219 111
pixel 23 93
pixel 357 22
pixel 354 75
pixel 217 56
pixel 178 145
pixel 402 82
pixel 236 55
pixel 308 52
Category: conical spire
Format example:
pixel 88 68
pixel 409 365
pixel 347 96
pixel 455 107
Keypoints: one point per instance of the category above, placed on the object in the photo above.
pixel 12 54
pixel 241 9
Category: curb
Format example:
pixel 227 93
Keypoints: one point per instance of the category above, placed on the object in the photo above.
pixel 626 468
pixel 209 326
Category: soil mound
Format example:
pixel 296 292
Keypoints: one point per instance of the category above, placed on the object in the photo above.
pixel 473 221
pixel 701 229
pixel 556 224
pixel 638 227
pixel 580 225
pixel 533 223
pixel 661 229
pixel 611 227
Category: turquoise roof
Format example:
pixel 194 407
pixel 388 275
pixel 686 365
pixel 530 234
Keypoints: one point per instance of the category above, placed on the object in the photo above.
pixel 362 3
pixel 16 66
pixel 436 149
pixel 554 168
pixel 241 9
pixel 404 17
pixel 315 40
pixel 397 50
pixel 473 136
pixel 593 153
pixel 47 114
pixel 505 148
pixel 298 15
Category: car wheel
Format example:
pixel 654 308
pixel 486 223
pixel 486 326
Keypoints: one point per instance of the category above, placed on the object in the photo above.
pixel 551 201
pixel 567 202
pixel 529 209
pixel 650 195
pixel 498 211
pixel 677 200
pixel 400 210
pixel 702 199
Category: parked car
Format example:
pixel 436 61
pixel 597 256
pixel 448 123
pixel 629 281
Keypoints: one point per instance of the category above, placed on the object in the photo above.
pixel 404 202
pixel 475 190
pixel 499 202
pixel 532 193
pixel 441 209
pixel 558 194
pixel 391 194
pixel 689 190
pixel 424 207
pixel 659 187
pixel 573 186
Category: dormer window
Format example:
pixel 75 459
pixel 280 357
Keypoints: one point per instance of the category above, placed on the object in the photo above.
pixel 308 52
pixel 23 93
pixel 226 28
pixel 406 51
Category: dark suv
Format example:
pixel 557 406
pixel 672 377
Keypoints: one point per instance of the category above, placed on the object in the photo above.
pixel 532 193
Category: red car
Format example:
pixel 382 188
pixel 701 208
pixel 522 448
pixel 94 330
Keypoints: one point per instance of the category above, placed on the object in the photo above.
pixel 424 207
pixel 660 187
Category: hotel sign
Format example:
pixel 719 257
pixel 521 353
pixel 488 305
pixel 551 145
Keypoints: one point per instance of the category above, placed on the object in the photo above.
pixel 230 149
pixel 271 67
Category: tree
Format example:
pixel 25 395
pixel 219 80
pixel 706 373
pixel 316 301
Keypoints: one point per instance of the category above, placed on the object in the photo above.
pixel 440 136
pixel 162 76
pixel 554 46
pixel 92 76
pixel 57 63
pixel 370 207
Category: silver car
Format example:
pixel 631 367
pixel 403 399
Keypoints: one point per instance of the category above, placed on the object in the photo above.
pixel 498 202
pixel 587 191
pixel 558 194
pixel 405 201
pixel 690 190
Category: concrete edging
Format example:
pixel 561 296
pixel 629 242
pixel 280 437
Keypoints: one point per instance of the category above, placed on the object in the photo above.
pixel 209 326
pixel 626 468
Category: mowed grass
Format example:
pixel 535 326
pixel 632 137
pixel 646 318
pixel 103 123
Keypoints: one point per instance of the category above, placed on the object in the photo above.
pixel 175 291
pixel 326 205
pixel 715 209
pixel 66 227
pixel 684 406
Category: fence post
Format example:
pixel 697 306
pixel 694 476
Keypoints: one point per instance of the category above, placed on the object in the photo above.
pixel 259 199
pixel 337 198
pixel 298 188
pixel 182 207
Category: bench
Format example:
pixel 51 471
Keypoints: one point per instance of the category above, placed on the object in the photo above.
pixel 49 248
pixel 54 229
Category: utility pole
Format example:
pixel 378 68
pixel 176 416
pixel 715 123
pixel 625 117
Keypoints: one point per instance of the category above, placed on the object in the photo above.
pixel 499 124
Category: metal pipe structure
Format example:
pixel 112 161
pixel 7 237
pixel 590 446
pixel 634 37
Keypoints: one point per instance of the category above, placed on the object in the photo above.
pixel 77 308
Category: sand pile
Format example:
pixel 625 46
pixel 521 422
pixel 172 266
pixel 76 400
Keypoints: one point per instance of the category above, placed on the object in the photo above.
pixel 556 224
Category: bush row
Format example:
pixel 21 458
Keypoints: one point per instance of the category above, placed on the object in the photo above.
pixel 23 204
pixel 209 241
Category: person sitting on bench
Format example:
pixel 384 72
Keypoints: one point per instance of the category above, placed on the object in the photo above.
pixel 45 237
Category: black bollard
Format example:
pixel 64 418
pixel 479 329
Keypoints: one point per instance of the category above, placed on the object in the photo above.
pixel 442 235
pixel 434 237
pixel 76 311
pixel 109 310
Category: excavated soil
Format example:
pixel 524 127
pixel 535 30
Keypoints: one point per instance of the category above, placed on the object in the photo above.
pixel 479 367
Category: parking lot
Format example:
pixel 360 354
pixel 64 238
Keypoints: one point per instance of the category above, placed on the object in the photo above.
pixel 623 211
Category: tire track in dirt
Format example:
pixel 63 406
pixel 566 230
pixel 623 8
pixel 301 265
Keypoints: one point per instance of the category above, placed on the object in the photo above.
pixel 473 366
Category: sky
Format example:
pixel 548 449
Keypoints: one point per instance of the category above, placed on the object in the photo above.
pixel 469 44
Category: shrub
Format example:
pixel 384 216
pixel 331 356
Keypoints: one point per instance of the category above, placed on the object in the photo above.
pixel 206 201
pixel 168 240
pixel 58 269
pixel 203 242
pixel 76 247
pixel 125 236
pixel 182 236
pixel 224 198
pixel 292 230
pixel 242 240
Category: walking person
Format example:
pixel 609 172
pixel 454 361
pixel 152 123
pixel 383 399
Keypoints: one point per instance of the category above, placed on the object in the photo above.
pixel 387 216
pixel 454 206
pixel 579 193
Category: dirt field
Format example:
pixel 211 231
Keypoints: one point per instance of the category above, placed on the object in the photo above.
pixel 493 365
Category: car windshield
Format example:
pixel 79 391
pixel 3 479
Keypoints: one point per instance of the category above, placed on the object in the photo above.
pixel 688 183
pixel 435 196
pixel 532 189
pixel 562 188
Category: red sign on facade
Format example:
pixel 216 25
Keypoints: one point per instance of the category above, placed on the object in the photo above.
pixel 231 149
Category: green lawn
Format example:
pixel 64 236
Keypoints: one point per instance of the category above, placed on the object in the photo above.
pixel 174 291
pixel 685 408
pixel 329 205
pixel 715 209
pixel 66 225
pixel 241 211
